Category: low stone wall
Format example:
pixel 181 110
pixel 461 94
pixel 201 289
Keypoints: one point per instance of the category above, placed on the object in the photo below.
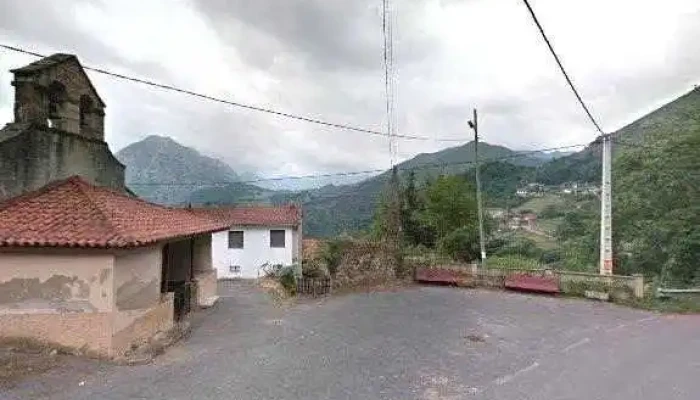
pixel 156 319
pixel 86 331
pixel 365 264
pixel 620 287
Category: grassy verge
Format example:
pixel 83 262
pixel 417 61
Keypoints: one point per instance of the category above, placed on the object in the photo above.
pixel 671 306
pixel 538 204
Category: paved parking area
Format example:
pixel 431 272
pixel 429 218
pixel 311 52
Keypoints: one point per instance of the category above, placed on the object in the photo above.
pixel 413 343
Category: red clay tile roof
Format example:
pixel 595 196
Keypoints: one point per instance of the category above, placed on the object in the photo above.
pixel 289 215
pixel 75 213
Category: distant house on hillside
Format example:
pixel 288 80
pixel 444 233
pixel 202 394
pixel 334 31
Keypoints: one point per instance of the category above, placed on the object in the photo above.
pixel 529 221
pixel 531 190
pixel 258 236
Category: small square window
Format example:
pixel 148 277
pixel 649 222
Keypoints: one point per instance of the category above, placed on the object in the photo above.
pixel 277 238
pixel 235 239
pixel 234 269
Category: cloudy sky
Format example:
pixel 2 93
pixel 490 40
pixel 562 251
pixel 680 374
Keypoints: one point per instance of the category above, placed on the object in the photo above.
pixel 323 59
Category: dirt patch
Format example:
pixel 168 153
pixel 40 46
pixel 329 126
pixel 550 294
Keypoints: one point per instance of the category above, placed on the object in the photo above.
pixel 22 358
pixel 393 285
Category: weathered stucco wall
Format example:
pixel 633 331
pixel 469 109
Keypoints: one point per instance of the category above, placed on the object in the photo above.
pixel 88 330
pixel 138 328
pixel 137 275
pixel 205 273
pixel 53 281
pixel 98 301
pixel 207 291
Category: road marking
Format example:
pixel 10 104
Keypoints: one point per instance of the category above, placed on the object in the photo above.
pixel 646 319
pixel 507 378
pixel 615 328
pixel 575 345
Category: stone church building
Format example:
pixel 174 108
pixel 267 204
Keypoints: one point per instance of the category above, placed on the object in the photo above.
pixel 58 130
pixel 83 262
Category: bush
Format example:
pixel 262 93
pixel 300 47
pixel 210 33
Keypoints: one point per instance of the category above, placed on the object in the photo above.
pixel 512 262
pixel 550 256
pixel 494 245
pixel 462 244
pixel 332 254
pixel 288 280
pixel 521 246
pixel 551 211
pixel 313 269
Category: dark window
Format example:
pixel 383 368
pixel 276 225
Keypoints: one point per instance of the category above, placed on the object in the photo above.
pixel 277 238
pixel 85 109
pixel 235 239
pixel 56 95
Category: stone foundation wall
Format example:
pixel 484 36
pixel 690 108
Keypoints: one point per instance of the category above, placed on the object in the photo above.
pixel 91 331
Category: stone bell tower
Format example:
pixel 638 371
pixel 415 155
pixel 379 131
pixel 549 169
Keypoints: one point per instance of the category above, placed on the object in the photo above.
pixel 58 129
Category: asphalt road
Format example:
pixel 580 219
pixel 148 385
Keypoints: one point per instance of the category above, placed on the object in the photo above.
pixel 415 343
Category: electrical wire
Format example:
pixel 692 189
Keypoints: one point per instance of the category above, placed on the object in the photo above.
pixel 241 105
pixel 561 67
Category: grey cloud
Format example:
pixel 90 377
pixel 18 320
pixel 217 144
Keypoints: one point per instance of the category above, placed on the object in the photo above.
pixel 334 34
pixel 327 34
pixel 326 56
pixel 44 27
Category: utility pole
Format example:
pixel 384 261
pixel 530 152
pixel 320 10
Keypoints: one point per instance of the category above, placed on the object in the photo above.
pixel 606 251
pixel 482 246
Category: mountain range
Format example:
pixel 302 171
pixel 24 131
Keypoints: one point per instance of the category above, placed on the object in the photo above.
pixel 161 170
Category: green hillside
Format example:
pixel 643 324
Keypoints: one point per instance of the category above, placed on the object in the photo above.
pixel 584 166
pixel 233 193
pixel 351 208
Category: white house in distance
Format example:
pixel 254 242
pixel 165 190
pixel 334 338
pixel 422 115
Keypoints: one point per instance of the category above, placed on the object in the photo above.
pixel 258 236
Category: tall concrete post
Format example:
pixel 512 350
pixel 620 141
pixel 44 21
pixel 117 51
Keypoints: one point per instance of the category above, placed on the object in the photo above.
pixel 482 245
pixel 606 250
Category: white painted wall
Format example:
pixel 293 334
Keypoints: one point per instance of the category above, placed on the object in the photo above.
pixel 256 251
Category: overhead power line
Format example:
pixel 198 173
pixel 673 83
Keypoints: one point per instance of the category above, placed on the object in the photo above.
pixel 561 67
pixel 241 105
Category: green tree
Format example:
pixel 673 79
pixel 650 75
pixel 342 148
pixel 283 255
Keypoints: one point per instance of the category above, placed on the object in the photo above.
pixel 461 244
pixel 450 203
pixel 415 232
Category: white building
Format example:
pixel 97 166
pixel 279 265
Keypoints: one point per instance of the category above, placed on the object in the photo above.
pixel 259 236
